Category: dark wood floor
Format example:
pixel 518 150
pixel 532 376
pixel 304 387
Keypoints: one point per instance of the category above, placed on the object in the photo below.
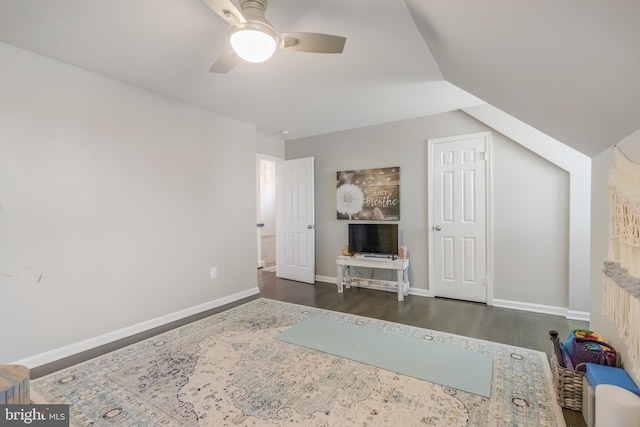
pixel 475 320
pixel 513 327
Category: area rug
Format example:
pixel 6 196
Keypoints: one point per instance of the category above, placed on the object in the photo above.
pixel 229 370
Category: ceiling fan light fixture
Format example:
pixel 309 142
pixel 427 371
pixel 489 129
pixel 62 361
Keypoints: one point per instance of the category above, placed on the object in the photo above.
pixel 253 41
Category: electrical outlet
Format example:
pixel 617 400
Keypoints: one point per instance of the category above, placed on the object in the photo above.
pixel 213 272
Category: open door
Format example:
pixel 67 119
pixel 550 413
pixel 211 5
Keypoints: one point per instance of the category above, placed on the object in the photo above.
pixel 295 220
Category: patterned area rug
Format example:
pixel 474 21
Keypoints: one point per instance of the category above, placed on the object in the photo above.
pixel 228 370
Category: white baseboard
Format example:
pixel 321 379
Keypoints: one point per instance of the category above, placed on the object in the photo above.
pixel 514 305
pixel 88 344
pixel 420 292
pixel 578 315
pixel 326 279
pixel 539 308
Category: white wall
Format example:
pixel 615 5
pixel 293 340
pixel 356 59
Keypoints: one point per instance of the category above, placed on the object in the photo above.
pixel 530 202
pixel 122 198
pixel 630 146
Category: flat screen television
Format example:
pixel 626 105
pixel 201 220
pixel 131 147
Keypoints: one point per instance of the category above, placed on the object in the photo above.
pixel 379 239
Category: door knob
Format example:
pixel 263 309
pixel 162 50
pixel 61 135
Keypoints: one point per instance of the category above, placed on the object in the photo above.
pixel 437 228
pixel 310 227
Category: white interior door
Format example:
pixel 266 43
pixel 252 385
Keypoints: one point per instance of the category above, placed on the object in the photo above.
pixel 458 212
pixel 295 221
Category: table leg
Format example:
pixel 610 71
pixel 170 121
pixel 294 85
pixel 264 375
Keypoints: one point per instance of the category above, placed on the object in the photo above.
pixel 400 276
pixel 339 282
pixel 347 277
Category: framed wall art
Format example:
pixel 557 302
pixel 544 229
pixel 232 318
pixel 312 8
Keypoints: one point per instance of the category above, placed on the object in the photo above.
pixel 369 194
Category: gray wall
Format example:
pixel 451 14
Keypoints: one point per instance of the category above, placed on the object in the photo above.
pixel 630 146
pixel 530 203
pixel 121 198
pixel 270 145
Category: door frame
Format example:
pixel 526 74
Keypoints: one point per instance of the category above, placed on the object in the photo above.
pixel 488 206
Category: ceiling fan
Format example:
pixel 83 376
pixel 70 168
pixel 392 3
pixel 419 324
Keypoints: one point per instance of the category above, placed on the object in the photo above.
pixel 254 39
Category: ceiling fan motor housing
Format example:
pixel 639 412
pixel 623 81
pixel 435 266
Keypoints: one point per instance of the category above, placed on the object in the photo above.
pixel 253 12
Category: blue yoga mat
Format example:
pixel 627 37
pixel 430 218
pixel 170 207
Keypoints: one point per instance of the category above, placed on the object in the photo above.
pixel 431 361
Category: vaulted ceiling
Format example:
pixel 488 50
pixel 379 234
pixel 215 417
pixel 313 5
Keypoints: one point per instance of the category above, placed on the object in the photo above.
pixel 570 68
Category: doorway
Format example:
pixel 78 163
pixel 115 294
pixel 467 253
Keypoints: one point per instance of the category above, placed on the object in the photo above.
pixel 459 213
pixel 266 210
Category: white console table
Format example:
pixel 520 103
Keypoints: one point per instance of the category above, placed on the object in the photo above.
pixel 401 285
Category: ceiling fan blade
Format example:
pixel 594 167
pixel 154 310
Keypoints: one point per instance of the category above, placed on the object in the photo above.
pixel 226 62
pixel 227 11
pixel 313 42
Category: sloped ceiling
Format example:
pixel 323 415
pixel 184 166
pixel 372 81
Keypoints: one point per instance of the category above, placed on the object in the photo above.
pixel 570 68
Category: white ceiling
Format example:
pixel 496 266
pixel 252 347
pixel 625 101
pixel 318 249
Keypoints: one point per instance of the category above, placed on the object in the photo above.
pixel 571 68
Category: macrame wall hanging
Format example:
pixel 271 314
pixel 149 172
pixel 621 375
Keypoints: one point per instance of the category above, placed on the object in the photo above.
pixel 622 269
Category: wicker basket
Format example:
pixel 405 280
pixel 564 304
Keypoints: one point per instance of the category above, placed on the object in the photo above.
pixel 568 385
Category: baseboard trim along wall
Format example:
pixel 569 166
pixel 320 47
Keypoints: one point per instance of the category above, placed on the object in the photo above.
pixel 91 343
pixel 420 292
pixel 515 305
pixel 578 315
pixel 326 279
pixel 544 309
